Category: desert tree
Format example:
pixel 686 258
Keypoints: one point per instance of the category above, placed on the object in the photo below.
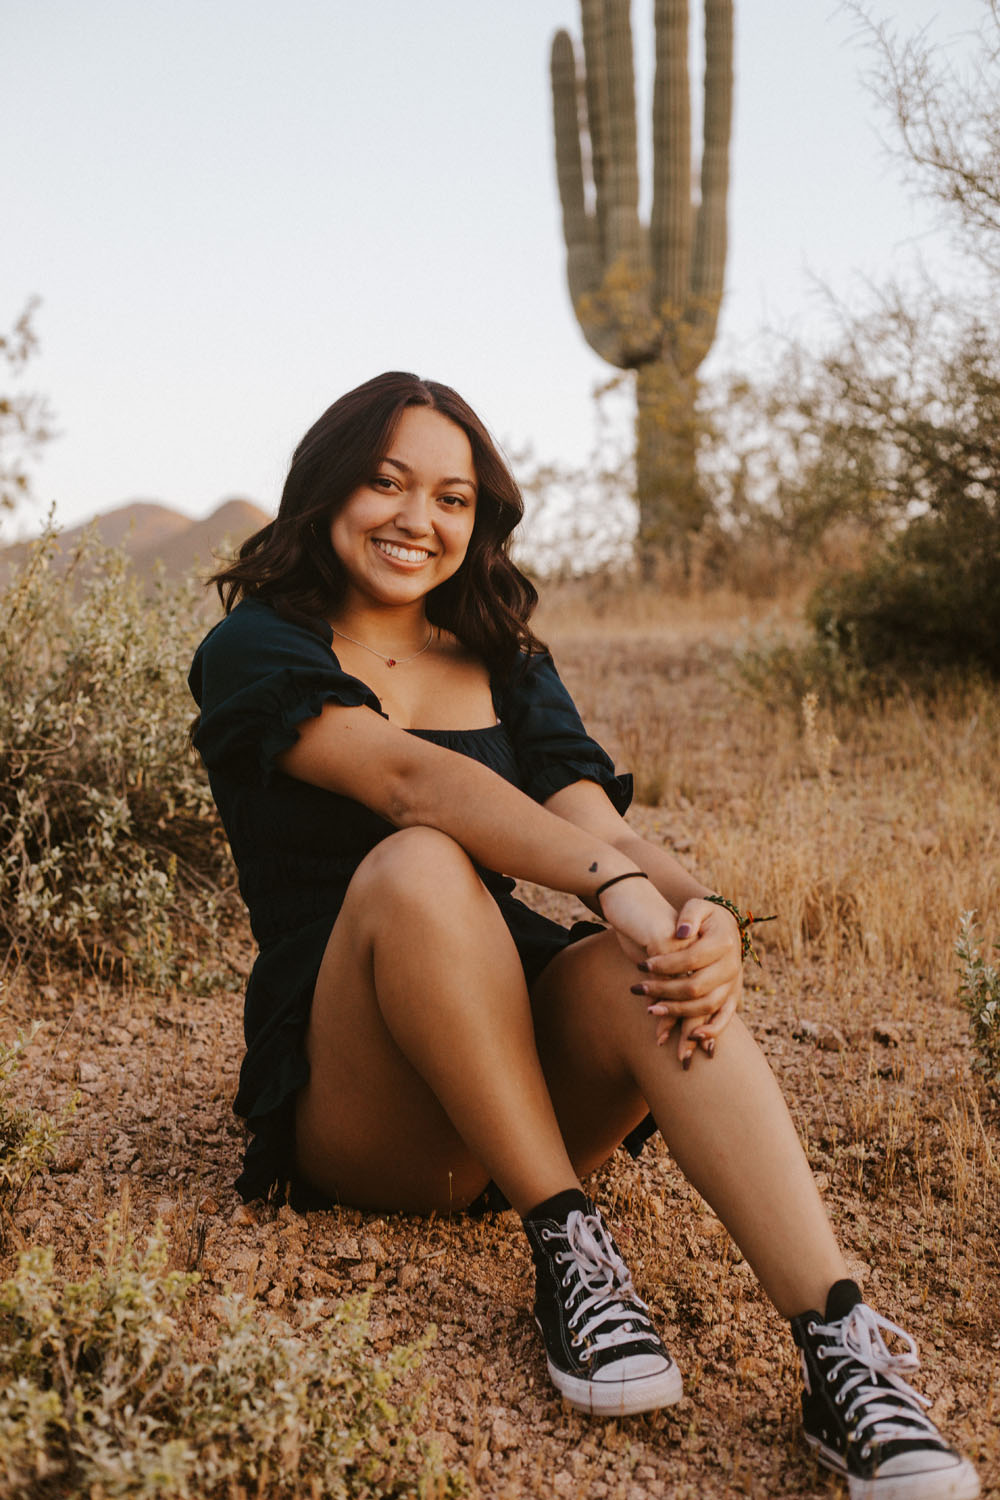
pixel 25 419
pixel 946 121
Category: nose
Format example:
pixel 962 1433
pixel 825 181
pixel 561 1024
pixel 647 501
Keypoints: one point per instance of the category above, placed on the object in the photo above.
pixel 413 514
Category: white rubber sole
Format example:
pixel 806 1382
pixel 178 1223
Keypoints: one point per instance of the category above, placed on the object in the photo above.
pixel 958 1481
pixel 619 1398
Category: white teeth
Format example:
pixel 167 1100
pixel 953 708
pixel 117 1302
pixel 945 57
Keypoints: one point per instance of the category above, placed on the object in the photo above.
pixel 405 554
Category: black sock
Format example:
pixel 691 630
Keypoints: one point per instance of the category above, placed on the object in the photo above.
pixel 841 1297
pixel 561 1205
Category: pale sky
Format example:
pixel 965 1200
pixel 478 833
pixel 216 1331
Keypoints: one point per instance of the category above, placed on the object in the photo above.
pixel 235 210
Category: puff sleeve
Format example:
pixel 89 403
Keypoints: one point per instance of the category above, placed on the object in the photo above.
pixel 255 677
pixel 553 748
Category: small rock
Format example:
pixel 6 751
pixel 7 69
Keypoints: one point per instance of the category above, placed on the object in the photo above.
pixel 407 1276
pixel 362 1273
pixel 208 1205
pixel 242 1215
pixel 88 1072
pixel 371 1248
pixel 831 1039
pixel 346 1247
pixel 288 1216
pixel 502 1435
pixel 805 1031
pixel 244 1260
pixel 886 1033
pixel 276 1295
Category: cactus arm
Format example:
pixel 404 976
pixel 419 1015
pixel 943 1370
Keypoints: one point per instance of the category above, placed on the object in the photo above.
pixel 622 235
pixel 583 264
pixel 711 230
pixel 596 85
pixel 670 228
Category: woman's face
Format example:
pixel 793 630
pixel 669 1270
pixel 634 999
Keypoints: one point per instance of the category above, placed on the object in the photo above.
pixel 407 528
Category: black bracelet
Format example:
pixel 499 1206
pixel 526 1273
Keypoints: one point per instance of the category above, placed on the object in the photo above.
pixel 629 875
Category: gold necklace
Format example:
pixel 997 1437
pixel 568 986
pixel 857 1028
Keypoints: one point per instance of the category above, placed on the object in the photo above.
pixel 390 661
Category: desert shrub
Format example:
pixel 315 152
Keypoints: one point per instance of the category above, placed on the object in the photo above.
pixel 28 1137
pixel 979 992
pixel 104 1389
pixel 780 672
pixel 109 844
pixel 930 601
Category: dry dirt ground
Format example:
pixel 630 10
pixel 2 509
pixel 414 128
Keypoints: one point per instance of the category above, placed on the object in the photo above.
pixel 899 1137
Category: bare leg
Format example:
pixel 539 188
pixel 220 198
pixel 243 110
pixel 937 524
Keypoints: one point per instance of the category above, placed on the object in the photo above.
pixel 724 1120
pixel 425 1079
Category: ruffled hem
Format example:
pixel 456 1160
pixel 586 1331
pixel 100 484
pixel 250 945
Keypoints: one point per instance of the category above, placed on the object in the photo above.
pixel 282 734
pixel 546 782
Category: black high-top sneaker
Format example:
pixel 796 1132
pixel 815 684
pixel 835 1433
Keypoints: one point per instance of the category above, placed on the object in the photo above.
pixel 861 1416
pixel 603 1353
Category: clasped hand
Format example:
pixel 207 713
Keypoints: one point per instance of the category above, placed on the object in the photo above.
pixel 690 962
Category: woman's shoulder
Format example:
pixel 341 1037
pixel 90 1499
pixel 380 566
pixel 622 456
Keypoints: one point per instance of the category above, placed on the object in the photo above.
pixel 254 640
pixel 258 625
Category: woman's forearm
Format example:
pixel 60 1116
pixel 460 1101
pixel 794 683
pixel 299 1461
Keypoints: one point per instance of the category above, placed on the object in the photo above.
pixel 413 783
pixel 667 874
pixel 503 829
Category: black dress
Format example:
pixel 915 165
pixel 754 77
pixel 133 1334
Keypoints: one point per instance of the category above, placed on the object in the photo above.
pixel 255 677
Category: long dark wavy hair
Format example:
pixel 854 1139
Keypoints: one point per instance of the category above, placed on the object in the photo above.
pixel 290 562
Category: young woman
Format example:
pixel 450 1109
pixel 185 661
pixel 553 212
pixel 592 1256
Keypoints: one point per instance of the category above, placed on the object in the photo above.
pixel 388 745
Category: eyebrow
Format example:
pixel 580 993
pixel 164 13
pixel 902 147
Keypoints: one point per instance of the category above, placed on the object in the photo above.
pixel 398 463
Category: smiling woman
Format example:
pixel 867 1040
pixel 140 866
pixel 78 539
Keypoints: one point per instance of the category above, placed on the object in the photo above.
pixel 388 744
pixel 407 529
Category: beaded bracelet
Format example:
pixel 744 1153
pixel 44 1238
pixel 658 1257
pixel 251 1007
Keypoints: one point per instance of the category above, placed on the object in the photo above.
pixel 744 923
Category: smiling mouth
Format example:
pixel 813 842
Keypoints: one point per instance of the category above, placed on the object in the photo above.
pixel 402 554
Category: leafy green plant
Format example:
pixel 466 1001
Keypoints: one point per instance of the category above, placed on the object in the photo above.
pixel 779 672
pixel 106 1389
pixel 928 602
pixel 28 1137
pixel 109 843
pixel 979 992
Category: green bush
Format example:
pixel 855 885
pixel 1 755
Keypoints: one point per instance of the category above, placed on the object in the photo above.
pixel 979 992
pixel 109 843
pixel 28 1137
pixel 929 601
pixel 106 1390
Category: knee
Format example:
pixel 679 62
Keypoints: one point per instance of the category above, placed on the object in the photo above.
pixel 419 867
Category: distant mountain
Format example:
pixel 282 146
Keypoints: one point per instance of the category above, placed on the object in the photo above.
pixel 155 534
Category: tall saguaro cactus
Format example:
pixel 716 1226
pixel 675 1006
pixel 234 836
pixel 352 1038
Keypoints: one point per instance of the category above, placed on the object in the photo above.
pixel 647 297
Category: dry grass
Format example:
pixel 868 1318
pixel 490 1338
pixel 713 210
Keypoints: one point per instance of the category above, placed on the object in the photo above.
pixel 868 849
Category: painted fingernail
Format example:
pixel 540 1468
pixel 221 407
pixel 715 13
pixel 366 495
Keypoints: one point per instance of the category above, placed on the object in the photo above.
pixel 710 1046
pixel 684 930
pixel 644 966
pixel 686 1062
pixel 639 989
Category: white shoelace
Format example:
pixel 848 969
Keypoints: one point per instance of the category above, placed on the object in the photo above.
pixel 604 1284
pixel 857 1339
